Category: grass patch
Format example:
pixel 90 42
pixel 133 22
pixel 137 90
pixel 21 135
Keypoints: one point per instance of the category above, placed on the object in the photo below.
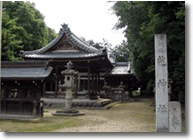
pixel 46 125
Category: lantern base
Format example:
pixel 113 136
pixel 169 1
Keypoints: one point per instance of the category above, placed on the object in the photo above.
pixel 68 112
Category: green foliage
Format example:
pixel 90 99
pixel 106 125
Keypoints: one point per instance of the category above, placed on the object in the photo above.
pixel 143 20
pixel 23 27
pixel 120 52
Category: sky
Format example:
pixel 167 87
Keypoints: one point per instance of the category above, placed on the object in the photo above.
pixel 89 19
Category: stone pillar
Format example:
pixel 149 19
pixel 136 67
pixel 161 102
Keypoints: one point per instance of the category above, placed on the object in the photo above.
pixel 161 82
pixel 68 98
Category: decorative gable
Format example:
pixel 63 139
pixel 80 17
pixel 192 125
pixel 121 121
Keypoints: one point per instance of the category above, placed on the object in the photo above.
pixel 66 45
pixel 63 44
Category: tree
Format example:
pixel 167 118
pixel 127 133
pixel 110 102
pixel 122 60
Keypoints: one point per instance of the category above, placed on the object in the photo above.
pixel 142 21
pixel 120 52
pixel 23 27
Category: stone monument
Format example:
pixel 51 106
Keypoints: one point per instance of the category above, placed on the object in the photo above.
pixel 161 83
pixel 175 122
pixel 167 120
pixel 68 86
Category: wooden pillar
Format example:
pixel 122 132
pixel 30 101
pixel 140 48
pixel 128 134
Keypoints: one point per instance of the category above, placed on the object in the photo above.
pixel 84 84
pixel 104 79
pixel 51 85
pixel 34 107
pixel 88 82
pixel 98 80
pixel 56 82
pixel 4 99
pixel 44 88
pixel 76 88
pixel 39 104
pixel 79 81
pixel 92 84
pixel 96 84
pixel 20 100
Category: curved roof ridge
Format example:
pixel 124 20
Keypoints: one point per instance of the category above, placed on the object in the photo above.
pixel 84 45
pixel 72 37
pixel 48 46
pixel 58 51
pixel 76 40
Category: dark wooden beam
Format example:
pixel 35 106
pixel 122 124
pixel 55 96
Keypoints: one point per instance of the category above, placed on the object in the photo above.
pixel 76 88
pixel 88 83
pixel 92 83
pixel 4 98
pixel 98 79
pixel 51 85
pixel 20 100
pixel 56 81
pixel 96 84
pixel 44 87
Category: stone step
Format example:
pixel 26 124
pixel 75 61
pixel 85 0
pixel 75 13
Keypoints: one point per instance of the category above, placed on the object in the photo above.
pixel 110 105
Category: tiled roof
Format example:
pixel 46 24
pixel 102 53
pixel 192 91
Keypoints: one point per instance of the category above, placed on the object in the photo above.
pixel 25 73
pixel 121 63
pixel 29 64
pixel 72 37
pixel 25 70
pixel 122 68
pixel 63 55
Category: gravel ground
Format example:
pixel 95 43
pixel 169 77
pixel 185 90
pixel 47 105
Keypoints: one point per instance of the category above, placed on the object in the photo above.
pixel 133 116
pixel 126 117
pixel 112 126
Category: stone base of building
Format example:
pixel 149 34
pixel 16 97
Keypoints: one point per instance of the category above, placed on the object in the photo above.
pixel 19 117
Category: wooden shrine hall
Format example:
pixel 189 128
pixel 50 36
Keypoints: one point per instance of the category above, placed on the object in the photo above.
pixel 122 73
pixel 24 83
pixel 21 88
pixel 87 60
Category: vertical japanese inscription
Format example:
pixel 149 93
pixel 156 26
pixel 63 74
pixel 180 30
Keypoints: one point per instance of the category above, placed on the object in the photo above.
pixel 161 60
pixel 161 45
pixel 162 121
pixel 162 108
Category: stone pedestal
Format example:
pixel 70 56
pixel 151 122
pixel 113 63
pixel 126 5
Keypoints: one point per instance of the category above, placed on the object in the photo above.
pixel 68 110
pixel 70 113
pixel 175 120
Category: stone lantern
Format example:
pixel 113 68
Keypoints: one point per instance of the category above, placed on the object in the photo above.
pixel 68 87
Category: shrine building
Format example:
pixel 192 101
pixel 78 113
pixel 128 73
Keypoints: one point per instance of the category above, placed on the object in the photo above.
pixel 39 75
